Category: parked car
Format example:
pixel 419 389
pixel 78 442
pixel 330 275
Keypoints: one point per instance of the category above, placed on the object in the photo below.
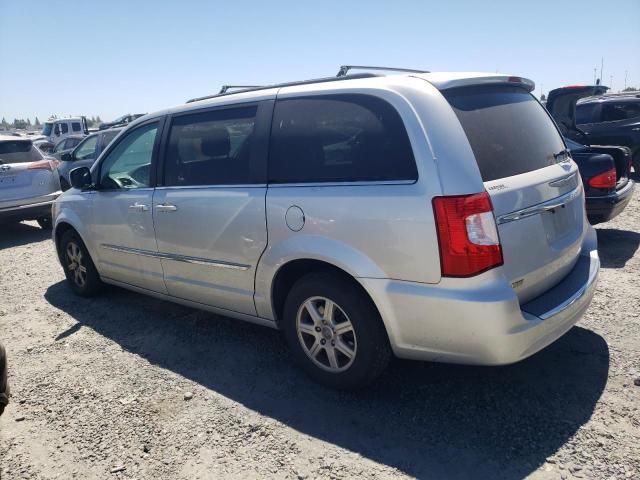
pixel 66 146
pixel 56 129
pixel 4 383
pixel 605 176
pixel 28 182
pixel 121 121
pixel 84 154
pixel 363 215
pixel 601 119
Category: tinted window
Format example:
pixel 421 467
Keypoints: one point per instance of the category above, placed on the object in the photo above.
pixel 612 112
pixel 65 127
pixel 18 152
pixel 107 137
pixel 86 150
pixel 75 126
pixel 128 165
pixel 60 146
pixel 211 148
pixel 585 113
pixel 509 132
pixel 72 142
pixel 339 138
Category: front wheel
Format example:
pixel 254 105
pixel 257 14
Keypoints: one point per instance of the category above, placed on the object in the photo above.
pixel 335 331
pixel 78 267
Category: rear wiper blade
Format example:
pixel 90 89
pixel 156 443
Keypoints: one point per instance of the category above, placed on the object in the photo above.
pixel 562 153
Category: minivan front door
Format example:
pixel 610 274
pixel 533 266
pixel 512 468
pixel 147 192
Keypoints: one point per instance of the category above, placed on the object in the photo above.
pixel 122 212
pixel 209 214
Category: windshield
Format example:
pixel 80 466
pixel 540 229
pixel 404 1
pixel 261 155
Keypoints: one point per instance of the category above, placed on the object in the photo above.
pixel 46 130
pixel 510 133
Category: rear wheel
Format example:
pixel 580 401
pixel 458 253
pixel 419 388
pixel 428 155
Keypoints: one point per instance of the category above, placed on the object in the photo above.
pixel 78 267
pixel 45 222
pixel 335 332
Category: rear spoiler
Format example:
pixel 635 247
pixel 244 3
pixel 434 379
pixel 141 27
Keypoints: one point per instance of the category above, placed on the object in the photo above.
pixel 444 81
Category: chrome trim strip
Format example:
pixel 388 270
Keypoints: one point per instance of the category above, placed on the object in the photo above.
pixel 593 275
pixel 176 258
pixel 563 181
pixel 540 207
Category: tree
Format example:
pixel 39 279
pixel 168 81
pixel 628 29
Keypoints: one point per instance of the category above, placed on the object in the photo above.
pixel 98 120
pixel 543 97
pixel 4 123
pixel 37 122
pixel 28 122
pixel 630 89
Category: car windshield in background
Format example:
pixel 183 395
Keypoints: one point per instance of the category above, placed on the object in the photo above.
pixel 18 152
pixel 509 132
pixel 46 130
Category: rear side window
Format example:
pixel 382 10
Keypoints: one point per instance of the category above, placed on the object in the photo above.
pixel 509 132
pixel 107 137
pixel 211 148
pixel 18 152
pixel 75 126
pixel 339 138
pixel 65 127
pixel 612 111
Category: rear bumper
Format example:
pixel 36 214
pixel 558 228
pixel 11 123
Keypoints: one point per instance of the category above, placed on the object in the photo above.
pixel 605 208
pixel 485 325
pixel 38 207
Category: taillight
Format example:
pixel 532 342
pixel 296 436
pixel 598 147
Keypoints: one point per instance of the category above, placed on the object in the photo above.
pixel 467 235
pixel 44 165
pixel 604 180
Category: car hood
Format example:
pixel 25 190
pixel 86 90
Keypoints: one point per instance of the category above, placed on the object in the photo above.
pixel 561 103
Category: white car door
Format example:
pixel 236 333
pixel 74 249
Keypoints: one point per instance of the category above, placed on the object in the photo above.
pixel 122 210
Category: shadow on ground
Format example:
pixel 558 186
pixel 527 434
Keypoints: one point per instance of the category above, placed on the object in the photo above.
pixel 615 246
pixel 427 420
pixel 18 234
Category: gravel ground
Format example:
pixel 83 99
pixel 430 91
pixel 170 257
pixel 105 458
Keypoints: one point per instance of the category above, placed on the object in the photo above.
pixel 125 386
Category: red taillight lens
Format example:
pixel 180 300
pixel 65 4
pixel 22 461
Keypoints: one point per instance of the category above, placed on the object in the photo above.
pixel 44 165
pixel 604 180
pixel 467 235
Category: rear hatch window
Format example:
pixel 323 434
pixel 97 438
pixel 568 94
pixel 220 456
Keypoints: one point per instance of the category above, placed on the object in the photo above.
pixel 508 131
pixel 18 151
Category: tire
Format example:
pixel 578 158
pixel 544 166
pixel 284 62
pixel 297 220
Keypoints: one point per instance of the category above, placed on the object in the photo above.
pixel 319 348
pixel 78 267
pixel 4 386
pixel 45 222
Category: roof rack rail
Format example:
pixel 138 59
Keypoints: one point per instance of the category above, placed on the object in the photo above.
pixel 344 69
pixel 226 88
pixel 289 84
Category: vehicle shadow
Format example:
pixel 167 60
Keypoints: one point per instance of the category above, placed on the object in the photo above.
pixel 427 420
pixel 17 234
pixel 615 246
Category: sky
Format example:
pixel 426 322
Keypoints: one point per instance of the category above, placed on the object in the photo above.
pixel 137 56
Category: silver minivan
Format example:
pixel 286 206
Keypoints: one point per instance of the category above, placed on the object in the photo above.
pixel 431 216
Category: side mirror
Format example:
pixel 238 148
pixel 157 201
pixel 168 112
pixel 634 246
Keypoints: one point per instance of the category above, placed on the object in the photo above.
pixel 80 178
pixel 66 157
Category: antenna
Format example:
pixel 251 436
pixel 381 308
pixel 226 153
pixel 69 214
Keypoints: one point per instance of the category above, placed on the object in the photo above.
pixel 344 69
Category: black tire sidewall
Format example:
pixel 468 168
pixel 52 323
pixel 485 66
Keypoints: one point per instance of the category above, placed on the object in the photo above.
pixel 93 283
pixel 373 351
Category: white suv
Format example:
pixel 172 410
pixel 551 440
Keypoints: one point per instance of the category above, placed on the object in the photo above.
pixel 433 216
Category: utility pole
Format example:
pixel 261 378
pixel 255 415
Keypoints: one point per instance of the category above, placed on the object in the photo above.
pixel 625 79
pixel 601 67
pixel 611 83
pixel 595 69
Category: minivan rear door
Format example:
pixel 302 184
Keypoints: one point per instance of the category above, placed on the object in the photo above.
pixel 534 186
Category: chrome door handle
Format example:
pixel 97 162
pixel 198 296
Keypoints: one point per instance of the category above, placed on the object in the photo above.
pixel 637 129
pixel 138 207
pixel 166 207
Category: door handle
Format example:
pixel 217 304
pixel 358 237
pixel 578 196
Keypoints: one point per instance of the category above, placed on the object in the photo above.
pixel 637 129
pixel 138 207
pixel 166 207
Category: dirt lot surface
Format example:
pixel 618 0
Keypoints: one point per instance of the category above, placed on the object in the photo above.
pixel 100 388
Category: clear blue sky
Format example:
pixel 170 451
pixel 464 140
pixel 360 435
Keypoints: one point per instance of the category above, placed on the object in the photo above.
pixel 113 57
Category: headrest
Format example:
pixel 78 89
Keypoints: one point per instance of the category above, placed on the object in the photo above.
pixel 216 142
